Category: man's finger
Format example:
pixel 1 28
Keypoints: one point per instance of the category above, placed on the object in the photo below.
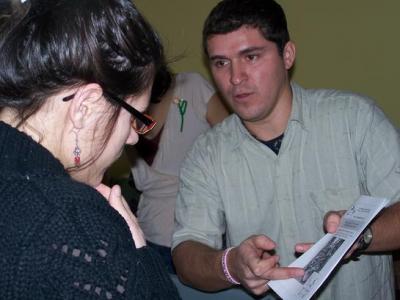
pixel 284 273
pixel 303 247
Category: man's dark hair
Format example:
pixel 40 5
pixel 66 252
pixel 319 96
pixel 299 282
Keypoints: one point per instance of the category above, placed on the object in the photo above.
pixel 265 15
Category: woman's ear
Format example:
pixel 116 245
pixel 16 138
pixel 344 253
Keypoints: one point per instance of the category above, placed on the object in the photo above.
pixel 289 54
pixel 86 97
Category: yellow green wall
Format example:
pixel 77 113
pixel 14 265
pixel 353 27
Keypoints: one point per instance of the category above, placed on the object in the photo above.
pixel 343 44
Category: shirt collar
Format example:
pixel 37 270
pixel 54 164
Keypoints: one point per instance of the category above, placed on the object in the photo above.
pixel 299 106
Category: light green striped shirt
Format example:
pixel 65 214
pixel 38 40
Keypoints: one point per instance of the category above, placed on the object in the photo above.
pixel 337 146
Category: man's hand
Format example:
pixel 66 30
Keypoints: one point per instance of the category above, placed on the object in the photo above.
pixel 253 264
pixel 332 220
pixel 117 201
pixel 331 224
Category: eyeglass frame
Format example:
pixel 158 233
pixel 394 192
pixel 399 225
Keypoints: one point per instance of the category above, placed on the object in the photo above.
pixel 147 120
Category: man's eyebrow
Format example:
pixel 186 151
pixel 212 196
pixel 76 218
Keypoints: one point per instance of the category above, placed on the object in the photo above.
pixel 215 57
pixel 251 49
pixel 241 52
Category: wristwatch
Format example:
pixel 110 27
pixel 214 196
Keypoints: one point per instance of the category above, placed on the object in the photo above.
pixel 365 240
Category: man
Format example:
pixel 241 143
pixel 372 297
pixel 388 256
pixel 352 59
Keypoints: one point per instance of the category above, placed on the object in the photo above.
pixel 263 179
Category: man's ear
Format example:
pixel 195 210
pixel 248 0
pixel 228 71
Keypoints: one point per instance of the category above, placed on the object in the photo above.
pixel 289 54
pixel 83 102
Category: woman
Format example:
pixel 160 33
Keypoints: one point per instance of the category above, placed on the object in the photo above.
pixel 74 76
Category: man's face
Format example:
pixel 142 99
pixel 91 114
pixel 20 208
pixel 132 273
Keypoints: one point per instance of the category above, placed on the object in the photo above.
pixel 250 73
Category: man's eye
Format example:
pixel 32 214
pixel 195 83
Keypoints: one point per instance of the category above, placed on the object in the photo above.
pixel 220 63
pixel 252 57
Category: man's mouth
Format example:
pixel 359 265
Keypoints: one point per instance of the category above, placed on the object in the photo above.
pixel 241 96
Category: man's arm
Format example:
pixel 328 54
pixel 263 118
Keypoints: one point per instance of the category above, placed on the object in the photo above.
pixel 197 265
pixel 386 230
pixel 250 264
pixel 378 153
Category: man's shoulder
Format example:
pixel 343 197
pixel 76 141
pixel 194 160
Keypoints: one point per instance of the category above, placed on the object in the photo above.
pixel 336 99
pixel 346 111
pixel 224 133
pixel 216 143
pixel 320 104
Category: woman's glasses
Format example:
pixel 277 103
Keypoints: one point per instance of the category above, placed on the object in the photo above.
pixel 142 123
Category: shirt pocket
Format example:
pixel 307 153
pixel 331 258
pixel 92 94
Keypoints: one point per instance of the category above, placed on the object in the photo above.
pixel 329 199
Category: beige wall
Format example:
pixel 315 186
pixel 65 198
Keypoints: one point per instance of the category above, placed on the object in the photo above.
pixel 352 45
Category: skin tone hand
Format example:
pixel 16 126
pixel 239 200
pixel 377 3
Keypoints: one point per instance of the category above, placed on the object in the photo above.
pixel 117 201
pixel 331 224
pixel 252 264
pixel 332 220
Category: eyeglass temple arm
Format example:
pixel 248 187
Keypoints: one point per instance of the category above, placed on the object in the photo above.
pixel 126 106
pixel 130 109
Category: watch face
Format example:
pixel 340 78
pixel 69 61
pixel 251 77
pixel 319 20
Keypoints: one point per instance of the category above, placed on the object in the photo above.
pixel 365 240
pixel 367 236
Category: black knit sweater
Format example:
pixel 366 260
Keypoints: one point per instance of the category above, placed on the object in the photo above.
pixel 60 239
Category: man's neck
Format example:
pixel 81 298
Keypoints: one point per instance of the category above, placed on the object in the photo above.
pixel 275 123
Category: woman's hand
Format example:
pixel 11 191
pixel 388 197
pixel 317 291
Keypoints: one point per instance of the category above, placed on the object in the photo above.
pixel 117 201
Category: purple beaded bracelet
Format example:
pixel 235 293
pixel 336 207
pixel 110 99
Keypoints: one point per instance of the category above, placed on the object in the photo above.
pixel 225 267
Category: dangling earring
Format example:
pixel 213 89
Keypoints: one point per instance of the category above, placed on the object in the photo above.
pixel 77 151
